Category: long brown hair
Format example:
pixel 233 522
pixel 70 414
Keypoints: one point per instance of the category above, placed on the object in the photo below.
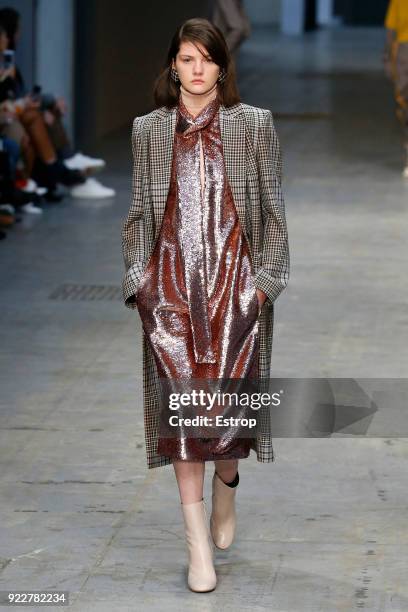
pixel 197 30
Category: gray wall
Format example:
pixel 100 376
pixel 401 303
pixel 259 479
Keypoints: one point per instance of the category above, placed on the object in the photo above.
pixel 54 43
pixel 263 12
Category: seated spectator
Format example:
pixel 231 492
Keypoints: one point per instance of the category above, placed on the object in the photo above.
pixel 48 156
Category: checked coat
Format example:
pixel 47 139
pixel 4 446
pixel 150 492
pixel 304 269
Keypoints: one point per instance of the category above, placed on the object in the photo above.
pixel 254 168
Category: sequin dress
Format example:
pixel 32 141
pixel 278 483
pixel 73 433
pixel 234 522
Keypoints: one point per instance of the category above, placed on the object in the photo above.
pixel 197 298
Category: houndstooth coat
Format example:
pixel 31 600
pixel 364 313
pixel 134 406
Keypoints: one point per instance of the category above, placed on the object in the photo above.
pixel 254 168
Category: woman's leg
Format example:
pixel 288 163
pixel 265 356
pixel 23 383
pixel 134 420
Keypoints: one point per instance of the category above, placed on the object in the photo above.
pixel 59 136
pixel 16 131
pixel 13 150
pixel 226 469
pixel 33 123
pixel 28 154
pixel 190 480
pixel 49 169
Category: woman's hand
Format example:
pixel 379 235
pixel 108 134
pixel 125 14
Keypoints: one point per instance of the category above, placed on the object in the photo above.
pixel 61 105
pixel 7 112
pixel 7 72
pixel 49 117
pixel 30 103
pixel 261 298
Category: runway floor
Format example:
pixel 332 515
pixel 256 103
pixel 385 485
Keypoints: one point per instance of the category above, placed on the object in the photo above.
pixel 324 526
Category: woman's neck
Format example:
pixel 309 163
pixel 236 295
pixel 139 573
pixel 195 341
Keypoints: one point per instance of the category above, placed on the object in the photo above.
pixel 195 102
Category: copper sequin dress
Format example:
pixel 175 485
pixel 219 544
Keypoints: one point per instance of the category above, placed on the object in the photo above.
pixel 196 298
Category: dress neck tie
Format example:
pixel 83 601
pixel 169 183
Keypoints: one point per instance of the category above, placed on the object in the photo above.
pixel 193 155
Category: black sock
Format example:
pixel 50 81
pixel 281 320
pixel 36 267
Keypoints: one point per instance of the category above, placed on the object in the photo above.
pixel 233 483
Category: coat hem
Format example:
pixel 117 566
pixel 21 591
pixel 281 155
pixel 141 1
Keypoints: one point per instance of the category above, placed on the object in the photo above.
pixel 163 460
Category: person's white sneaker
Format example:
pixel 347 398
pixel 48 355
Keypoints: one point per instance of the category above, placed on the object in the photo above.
pixel 32 186
pixel 405 172
pixel 31 209
pixel 41 191
pixel 92 189
pixel 81 162
pixel 8 207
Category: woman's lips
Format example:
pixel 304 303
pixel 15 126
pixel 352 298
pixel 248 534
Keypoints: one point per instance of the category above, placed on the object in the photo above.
pixel 197 81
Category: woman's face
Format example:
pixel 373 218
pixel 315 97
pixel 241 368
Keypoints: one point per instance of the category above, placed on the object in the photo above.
pixel 197 72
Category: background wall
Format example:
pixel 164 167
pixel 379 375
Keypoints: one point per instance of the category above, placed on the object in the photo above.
pixel 54 30
pixel 120 47
pixel 263 12
pixel 361 12
pixel 103 56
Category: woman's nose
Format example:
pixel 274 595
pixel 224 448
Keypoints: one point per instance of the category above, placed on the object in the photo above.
pixel 198 68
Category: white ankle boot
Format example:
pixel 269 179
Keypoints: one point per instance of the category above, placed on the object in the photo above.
pixel 201 572
pixel 223 516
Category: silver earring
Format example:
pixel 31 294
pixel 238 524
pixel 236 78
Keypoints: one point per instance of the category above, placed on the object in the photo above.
pixel 221 76
pixel 174 75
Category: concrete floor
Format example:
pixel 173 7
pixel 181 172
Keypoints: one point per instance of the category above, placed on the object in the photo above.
pixel 322 528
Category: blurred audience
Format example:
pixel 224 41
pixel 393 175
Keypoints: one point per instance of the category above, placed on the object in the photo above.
pixel 230 17
pixel 35 152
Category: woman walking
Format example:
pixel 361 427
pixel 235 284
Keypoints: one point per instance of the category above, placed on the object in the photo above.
pixel 206 254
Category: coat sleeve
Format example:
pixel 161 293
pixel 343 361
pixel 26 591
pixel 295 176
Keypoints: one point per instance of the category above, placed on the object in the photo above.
pixel 272 277
pixel 133 227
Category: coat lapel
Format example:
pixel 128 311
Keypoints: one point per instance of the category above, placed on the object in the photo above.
pixel 160 158
pixel 233 136
pixel 234 139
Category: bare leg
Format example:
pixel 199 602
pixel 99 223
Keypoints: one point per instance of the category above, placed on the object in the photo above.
pixel 190 480
pixel 226 469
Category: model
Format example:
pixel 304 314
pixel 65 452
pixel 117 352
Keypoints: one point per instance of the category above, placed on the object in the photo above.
pixel 206 254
